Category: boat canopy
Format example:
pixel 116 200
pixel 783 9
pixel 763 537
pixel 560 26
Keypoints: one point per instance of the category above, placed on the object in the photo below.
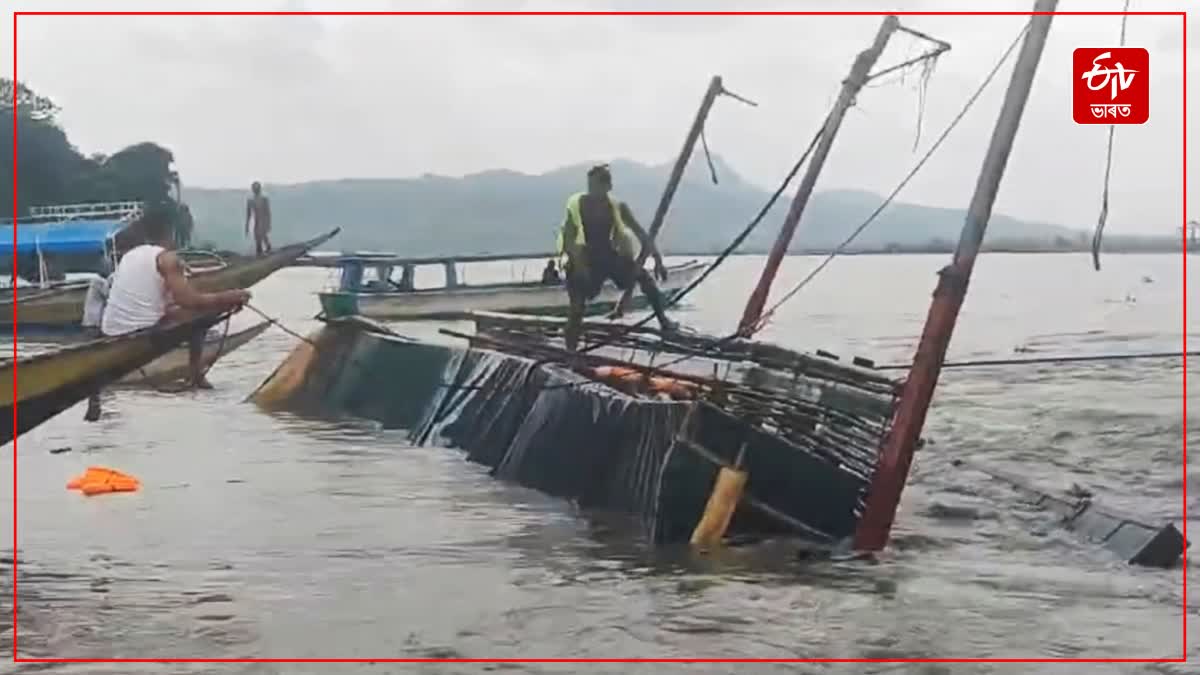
pixel 63 238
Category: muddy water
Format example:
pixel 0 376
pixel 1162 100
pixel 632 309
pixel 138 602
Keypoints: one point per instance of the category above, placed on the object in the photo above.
pixel 269 536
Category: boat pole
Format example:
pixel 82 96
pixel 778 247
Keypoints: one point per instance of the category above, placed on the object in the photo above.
pixel 859 73
pixel 716 87
pixel 896 456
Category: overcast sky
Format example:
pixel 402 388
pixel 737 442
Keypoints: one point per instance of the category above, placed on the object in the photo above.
pixel 288 99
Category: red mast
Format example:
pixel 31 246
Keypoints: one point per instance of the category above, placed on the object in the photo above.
pixel 890 476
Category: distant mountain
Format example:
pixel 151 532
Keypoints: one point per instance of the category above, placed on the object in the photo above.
pixel 503 211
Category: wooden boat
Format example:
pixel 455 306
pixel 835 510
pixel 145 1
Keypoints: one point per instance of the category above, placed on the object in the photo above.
pixel 367 287
pixel 174 365
pixel 62 308
pixel 35 388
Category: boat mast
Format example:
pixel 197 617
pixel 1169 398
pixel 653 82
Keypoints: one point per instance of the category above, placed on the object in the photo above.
pixel 896 457
pixel 716 87
pixel 859 74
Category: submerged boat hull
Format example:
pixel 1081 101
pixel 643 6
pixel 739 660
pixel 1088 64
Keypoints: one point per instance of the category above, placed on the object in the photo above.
pixel 529 298
pixel 43 385
pixel 552 429
pixel 62 308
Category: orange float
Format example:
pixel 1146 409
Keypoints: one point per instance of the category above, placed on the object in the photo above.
pixel 624 377
pixel 100 480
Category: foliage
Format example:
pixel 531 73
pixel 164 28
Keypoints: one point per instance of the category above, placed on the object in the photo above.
pixel 50 170
pixel 31 104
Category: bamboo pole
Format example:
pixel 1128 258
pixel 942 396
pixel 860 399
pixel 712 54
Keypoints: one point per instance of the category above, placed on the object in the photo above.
pixel 716 88
pixel 859 73
pixel 890 476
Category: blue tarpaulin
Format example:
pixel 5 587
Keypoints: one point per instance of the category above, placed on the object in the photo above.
pixel 70 237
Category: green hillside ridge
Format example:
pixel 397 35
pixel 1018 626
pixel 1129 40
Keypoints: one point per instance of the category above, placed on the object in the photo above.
pixel 502 211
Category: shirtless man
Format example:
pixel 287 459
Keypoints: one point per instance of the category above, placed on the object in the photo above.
pixel 258 208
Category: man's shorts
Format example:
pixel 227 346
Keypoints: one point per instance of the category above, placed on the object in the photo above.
pixel 606 266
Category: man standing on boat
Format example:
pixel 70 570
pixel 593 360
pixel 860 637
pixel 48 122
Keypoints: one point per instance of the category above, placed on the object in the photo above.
pixel 258 208
pixel 596 239
pixel 149 287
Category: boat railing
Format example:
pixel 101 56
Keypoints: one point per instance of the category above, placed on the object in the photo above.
pixel 127 210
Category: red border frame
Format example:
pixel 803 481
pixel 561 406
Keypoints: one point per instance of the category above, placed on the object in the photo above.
pixel 1185 348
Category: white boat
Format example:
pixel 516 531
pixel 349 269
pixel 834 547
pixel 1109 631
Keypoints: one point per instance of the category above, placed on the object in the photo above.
pixel 367 288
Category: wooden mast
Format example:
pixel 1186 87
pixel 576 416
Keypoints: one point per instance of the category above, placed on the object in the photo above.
pixel 715 88
pixel 859 73
pixel 896 457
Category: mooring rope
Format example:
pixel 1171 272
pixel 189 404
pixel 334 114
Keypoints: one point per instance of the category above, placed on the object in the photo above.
pixel 1098 236
pixel 279 324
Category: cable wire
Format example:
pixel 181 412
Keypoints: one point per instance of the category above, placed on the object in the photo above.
pixel 903 183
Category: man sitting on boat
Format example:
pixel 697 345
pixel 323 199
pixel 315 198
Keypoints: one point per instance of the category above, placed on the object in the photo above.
pixel 149 287
pixel 596 238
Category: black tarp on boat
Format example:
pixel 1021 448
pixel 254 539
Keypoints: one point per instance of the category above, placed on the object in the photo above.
pixel 550 428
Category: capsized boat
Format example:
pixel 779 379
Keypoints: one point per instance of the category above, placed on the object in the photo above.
pixel 368 285
pixel 35 388
pixel 804 427
pixel 62 308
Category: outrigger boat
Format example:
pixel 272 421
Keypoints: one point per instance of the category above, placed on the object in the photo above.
pixel 61 308
pixel 382 287
pixel 52 381
pixel 698 438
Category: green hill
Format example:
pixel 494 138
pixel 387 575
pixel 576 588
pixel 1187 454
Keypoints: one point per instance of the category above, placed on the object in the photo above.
pixel 508 212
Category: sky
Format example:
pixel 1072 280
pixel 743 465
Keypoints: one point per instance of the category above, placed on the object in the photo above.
pixel 285 99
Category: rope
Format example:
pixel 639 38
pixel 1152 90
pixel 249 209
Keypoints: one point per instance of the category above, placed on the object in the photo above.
pixel 712 169
pixel 927 68
pixel 982 363
pixel 1098 237
pixel 903 183
pixel 278 324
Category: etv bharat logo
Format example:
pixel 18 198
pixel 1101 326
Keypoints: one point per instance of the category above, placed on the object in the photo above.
pixel 1111 86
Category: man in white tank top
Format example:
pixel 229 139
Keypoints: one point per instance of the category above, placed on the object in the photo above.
pixel 149 287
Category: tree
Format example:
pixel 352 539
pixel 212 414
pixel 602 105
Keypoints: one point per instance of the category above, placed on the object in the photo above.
pixel 52 171
pixel 30 104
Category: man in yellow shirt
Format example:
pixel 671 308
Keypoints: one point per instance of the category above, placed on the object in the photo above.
pixel 596 239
